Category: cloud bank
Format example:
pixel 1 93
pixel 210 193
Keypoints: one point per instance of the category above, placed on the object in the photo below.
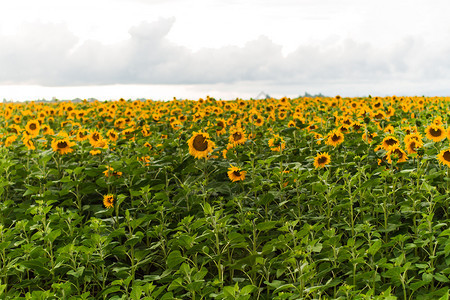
pixel 49 54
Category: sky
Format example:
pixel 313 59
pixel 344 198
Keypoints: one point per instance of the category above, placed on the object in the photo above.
pixel 227 49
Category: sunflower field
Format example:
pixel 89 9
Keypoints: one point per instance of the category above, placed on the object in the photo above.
pixel 305 198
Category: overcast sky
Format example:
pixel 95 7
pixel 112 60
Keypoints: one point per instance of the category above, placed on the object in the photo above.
pixel 161 49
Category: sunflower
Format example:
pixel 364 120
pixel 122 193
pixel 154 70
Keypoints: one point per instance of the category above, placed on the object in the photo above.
pixel 277 143
pixel 112 135
pixel 389 142
pixel 435 133
pixel 444 157
pixel 321 160
pixel 412 145
pixel 29 143
pixel 396 153
pixel 221 124
pixel 94 137
pixel 108 201
pixel 335 138
pixel 63 146
pixel 33 128
pixel 199 145
pixel 237 136
pixel 236 174
pixel 95 152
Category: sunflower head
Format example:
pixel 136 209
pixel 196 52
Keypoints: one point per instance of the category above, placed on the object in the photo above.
pixel 63 146
pixel 389 142
pixel 321 160
pixel 236 174
pixel 199 145
pixel 444 157
pixel 435 133
pixel 335 138
pixel 108 201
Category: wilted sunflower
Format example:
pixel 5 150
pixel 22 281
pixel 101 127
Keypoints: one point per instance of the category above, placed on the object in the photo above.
pixel 200 145
pixel 321 160
pixel 236 174
pixel 435 133
pixel 335 138
pixel 33 128
pixel 444 157
pixel 62 146
pixel 108 201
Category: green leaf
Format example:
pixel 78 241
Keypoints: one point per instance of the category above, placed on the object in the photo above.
pixel 174 259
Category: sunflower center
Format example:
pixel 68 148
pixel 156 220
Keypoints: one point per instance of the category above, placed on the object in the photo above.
pixel 335 138
pixel 200 143
pixel 412 146
pixel 391 142
pixel 33 126
pixel 62 145
pixel 95 136
pixel 446 155
pixel 322 160
pixel 237 173
pixel 220 124
pixel 435 133
pixel 237 136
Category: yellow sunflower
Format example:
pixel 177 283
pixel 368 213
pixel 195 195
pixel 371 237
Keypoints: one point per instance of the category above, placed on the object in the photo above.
pixel 108 201
pixel 236 174
pixel 112 135
pixel 397 154
pixel 94 137
pixel 221 124
pixel 389 142
pixel 237 136
pixel 277 143
pixel 335 138
pixel 33 128
pixel 435 133
pixel 321 160
pixel 199 145
pixel 62 146
pixel 412 145
pixel 444 157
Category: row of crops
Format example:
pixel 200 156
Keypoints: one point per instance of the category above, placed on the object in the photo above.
pixel 307 198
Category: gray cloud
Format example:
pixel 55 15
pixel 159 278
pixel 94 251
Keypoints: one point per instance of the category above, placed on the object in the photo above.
pixel 49 54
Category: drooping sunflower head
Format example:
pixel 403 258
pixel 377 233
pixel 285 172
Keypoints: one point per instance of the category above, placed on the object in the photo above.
pixel 321 160
pixel 200 145
pixel 435 133
pixel 444 157
pixel 108 201
pixel 236 174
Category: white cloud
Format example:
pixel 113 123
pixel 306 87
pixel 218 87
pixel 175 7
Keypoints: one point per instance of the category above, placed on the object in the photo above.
pixel 50 54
